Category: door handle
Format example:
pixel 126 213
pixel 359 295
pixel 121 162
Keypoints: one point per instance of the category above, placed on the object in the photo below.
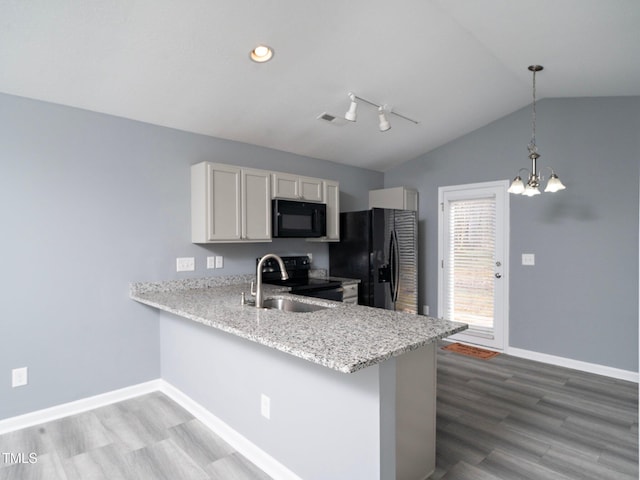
pixel 394 259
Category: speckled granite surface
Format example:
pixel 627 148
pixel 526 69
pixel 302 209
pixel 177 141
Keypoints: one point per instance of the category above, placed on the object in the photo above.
pixel 342 337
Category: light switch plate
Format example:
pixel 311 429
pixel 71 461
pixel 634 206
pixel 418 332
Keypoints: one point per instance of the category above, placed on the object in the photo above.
pixel 19 377
pixel 528 259
pixel 265 406
pixel 211 262
pixel 185 264
pixel 219 262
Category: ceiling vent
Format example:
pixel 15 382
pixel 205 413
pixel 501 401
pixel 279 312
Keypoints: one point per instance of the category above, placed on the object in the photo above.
pixel 332 119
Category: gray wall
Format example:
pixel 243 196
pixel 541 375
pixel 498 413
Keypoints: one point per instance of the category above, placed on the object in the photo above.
pixel 89 203
pixel 324 424
pixel 580 300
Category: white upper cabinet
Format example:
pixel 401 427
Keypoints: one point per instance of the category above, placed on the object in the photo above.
pixel 311 189
pixel 229 204
pixel 331 193
pixel 401 198
pixel 286 185
pixel 256 205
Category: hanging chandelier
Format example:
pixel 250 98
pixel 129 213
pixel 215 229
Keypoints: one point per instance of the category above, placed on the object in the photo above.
pixel 532 187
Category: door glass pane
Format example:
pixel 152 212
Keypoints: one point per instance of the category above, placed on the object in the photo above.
pixel 472 233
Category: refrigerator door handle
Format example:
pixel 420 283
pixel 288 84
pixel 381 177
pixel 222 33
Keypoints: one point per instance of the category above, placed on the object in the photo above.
pixel 394 259
pixel 392 276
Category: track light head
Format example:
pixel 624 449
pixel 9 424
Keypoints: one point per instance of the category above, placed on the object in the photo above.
pixel 384 124
pixel 352 113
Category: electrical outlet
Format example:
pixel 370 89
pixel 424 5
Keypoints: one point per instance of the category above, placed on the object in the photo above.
pixel 219 262
pixel 265 406
pixel 310 255
pixel 185 264
pixel 425 310
pixel 19 377
pixel 211 262
pixel 528 259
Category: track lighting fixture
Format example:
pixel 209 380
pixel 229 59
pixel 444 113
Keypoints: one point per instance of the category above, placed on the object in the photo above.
pixel 383 112
pixel 532 186
pixel 352 113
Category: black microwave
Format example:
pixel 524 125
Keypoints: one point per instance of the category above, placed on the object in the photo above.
pixel 295 219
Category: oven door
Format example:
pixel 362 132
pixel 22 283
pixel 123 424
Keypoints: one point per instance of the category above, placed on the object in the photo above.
pixel 293 219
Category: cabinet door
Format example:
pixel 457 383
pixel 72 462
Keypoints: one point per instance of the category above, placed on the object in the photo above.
pixel 331 194
pixel 256 209
pixel 223 202
pixel 311 189
pixel 332 197
pixel 401 198
pixel 285 185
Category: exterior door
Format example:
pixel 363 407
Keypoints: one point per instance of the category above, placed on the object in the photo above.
pixel 473 249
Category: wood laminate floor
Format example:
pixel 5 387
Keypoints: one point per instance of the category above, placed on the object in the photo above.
pixel 499 419
pixel 145 438
pixel 513 419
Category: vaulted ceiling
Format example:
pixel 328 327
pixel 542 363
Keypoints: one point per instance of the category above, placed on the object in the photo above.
pixel 453 65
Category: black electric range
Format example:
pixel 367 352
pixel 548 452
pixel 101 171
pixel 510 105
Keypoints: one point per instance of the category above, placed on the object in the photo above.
pixel 299 281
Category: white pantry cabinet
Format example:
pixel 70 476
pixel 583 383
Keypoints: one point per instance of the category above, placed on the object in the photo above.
pixel 286 185
pixel 230 204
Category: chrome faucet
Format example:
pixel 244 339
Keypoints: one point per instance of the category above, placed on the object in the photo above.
pixel 284 276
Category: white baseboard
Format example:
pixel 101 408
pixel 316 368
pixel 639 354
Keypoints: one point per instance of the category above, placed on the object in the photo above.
pixel 78 406
pixel 574 364
pixel 256 455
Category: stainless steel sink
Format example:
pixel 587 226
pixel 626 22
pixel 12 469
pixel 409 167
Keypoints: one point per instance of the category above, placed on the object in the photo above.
pixel 288 305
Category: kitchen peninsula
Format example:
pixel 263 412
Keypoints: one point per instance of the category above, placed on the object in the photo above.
pixel 351 389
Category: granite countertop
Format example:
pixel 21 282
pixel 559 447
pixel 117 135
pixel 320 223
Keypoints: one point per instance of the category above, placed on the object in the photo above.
pixel 342 337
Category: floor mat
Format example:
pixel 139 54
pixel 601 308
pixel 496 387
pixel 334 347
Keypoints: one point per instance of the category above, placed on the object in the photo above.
pixel 470 351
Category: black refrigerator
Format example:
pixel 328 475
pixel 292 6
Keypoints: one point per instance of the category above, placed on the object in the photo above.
pixel 380 248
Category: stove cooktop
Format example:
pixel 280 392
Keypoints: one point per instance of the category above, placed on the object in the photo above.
pixel 298 270
pixel 305 284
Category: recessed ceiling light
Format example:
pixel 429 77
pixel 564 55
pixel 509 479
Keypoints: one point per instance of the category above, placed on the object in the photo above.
pixel 261 54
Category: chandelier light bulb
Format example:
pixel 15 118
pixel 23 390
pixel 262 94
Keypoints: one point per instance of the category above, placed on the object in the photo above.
pixel 517 186
pixel 531 191
pixel 554 184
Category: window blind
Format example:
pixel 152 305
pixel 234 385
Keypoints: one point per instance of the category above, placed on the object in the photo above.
pixel 472 232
